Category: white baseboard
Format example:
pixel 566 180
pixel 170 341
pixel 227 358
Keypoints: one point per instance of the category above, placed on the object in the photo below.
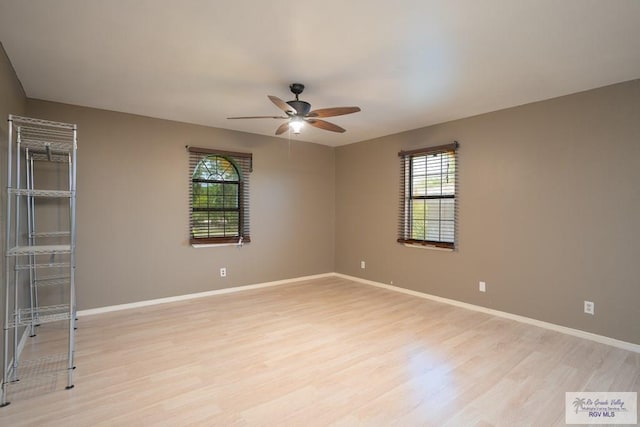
pixel 146 303
pixel 21 344
pixel 23 341
pixel 546 325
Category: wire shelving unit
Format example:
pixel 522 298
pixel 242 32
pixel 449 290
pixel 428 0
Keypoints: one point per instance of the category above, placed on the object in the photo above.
pixel 40 245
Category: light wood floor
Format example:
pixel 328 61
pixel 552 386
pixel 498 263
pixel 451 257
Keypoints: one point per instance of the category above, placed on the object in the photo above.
pixel 322 352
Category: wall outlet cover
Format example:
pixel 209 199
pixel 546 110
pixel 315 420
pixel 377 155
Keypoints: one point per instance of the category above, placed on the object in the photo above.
pixel 482 287
pixel 589 307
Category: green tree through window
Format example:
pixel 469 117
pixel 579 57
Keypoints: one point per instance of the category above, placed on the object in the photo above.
pixel 216 198
pixel 428 196
pixel 433 197
pixel 219 196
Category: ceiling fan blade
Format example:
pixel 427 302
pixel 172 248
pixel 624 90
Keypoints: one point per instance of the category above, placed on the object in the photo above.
pixel 282 128
pixel 325 125
pixel 332 112
pixel 259 117
pixel 282 105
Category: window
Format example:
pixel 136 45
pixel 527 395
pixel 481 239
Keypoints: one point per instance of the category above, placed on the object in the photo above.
pixel 219 196
pixel 428 196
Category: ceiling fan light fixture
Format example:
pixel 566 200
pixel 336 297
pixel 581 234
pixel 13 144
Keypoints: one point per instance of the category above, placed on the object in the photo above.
pixel 298 112
pixel 296 125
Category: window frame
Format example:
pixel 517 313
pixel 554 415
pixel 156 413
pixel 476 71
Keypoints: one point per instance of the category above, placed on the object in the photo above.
pixel 407 197
pixel 242 163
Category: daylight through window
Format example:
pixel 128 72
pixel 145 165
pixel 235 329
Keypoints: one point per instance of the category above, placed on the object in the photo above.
pixel 219 196
pixel 428 196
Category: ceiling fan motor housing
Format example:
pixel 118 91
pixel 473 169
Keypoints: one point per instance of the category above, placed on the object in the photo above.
pixel 301 107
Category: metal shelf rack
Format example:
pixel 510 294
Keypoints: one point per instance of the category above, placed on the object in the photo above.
pixel 36 259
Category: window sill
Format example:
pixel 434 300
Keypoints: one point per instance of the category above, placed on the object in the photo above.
pixel 214 245
pixel 429 247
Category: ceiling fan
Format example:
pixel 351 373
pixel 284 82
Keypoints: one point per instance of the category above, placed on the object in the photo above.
pixel 299 112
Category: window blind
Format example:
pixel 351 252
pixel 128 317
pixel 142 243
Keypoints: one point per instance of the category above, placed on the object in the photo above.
pixel 428 196
pixel 231 208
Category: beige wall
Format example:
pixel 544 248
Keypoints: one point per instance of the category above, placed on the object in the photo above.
pixel 549 211
pixel 133 208
pixel 12 97
pixel 12 101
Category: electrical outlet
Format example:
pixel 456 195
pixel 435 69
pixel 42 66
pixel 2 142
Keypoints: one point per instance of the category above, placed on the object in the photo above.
pixel 589 307
pixel 362 265
pixel 223 272
pixel 482 287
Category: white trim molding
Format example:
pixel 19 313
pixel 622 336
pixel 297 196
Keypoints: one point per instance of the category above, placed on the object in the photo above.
pixel 147 303
pixel 21 344
pixel 522 319
pixel 23 340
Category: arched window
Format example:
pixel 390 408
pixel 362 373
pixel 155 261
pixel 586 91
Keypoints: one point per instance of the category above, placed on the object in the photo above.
pixel 219 211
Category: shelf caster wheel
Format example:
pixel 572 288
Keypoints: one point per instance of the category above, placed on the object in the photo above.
pixel 69 387
pixel 4 404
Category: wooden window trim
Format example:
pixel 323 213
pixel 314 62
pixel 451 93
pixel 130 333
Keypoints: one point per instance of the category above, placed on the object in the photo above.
pixel 430 150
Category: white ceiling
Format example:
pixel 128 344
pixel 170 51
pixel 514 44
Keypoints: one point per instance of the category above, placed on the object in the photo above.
pixel 406 63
